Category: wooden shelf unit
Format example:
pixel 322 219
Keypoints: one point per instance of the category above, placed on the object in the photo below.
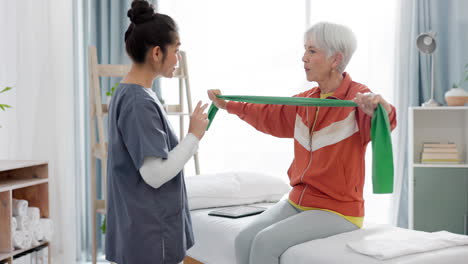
pixel 27 180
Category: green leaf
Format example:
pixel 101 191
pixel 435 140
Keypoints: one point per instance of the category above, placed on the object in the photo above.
pixel 455 85
pixel 3 106
pixel 6 89
pixel 103 226
pixel 112 90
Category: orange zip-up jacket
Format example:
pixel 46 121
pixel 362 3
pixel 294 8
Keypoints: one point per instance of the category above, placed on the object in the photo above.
pixel 329 147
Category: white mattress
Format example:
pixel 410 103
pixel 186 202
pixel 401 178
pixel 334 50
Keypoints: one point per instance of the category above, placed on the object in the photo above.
pixel 214 244
pixel 334 250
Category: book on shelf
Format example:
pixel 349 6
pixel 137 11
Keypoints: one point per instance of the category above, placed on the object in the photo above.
pixel 437 152
pixel 440 155
pixel 439 145
pixel 440 161
pixel 440 150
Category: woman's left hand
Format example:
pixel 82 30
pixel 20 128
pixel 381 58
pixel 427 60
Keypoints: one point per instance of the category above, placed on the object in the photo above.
pixel 368 102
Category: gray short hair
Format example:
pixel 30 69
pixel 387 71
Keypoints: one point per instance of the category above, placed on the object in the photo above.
pixel 332 38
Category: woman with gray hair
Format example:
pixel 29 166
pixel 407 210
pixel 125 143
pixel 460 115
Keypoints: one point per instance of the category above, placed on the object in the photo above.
pixel 327 172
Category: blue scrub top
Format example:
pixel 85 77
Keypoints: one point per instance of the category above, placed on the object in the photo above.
pixel 144 225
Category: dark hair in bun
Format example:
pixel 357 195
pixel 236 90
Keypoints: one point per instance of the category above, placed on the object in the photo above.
pixel 147 30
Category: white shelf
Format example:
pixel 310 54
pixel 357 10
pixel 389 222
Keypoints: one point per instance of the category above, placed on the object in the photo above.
pixel 177 114
pixel 440 108
pixel 4 256
pixel 8 185
pixel 19 251
pixel 420 165
pixel 427 212
pixel 6 165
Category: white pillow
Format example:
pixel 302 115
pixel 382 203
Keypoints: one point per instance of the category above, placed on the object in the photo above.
pixel 233 188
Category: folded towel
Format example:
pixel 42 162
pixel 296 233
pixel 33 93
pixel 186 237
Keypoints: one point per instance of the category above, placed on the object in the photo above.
pixel 22 222
pixel 22 239
pixel 18 239
pixel 47 226
pixel 386 245
pixel 24 259
pixel 42 256
pixel 20 207
pixel 27 240
pixel 34 214
pixel 36 230
pixel 34 241
pixel 14 225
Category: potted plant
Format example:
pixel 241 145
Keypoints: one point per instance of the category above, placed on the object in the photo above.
pixel 111 92
pixel 5 106
pixel 457 96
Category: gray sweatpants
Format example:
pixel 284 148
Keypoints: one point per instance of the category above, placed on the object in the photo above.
pixel 281 227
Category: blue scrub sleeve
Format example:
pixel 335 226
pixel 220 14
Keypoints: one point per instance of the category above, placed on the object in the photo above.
pixel 143 133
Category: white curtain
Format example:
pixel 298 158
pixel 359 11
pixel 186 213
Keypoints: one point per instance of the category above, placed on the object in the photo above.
pixel 37 60
pixel 255 48
pixel 7 70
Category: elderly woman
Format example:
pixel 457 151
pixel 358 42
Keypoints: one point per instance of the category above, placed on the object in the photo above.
pixel 327 173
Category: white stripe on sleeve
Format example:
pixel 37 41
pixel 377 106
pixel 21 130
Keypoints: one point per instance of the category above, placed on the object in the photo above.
pixel 155 171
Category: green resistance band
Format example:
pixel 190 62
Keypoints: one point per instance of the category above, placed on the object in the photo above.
pixel 382 154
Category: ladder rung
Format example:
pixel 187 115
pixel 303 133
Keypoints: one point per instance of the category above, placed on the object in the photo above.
pixel 178 73
pixel 98 155
pixel 172 108
pixel 101 206
pixel 97 151
pixel 112 70
pixel 177 113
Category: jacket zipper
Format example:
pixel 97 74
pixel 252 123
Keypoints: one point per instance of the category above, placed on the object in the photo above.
pixel 164 251
pixel 310 158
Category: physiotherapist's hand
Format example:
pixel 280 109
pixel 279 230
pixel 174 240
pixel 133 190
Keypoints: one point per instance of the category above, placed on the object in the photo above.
pixel 368 102
pixel 220 103
pixel 198 120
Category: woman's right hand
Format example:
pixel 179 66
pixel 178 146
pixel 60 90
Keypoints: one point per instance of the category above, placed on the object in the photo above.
pixel 198 120
pixel 220 103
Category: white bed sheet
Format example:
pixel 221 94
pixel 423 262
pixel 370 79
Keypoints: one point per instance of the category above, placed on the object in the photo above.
pixel 333 250
pixel 214 244
pixel 214 236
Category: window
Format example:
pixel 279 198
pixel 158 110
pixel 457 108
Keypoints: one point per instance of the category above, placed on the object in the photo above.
pixel 255 48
